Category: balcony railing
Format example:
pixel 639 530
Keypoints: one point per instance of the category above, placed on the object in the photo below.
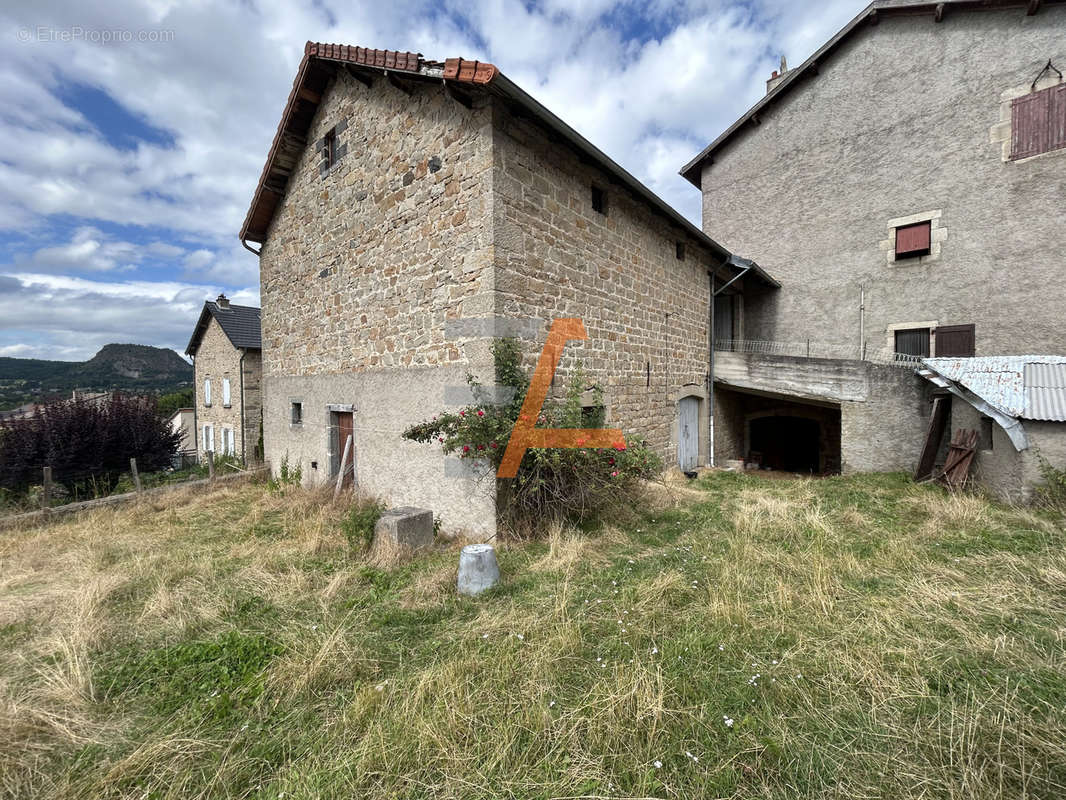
pixel 809 349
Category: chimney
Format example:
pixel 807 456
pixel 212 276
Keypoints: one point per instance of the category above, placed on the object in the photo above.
pixel 777 77
pixel 222 301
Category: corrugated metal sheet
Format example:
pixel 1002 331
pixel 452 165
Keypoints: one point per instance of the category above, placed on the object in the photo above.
pixel 1029 387
pixel 1045 391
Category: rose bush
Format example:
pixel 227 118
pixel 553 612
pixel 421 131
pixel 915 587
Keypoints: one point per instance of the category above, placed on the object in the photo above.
pixel 552 483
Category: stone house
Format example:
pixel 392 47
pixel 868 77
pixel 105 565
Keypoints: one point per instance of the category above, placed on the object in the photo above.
pixel 905 185
pixel 183 421
pixel 410 211
pixel 226 349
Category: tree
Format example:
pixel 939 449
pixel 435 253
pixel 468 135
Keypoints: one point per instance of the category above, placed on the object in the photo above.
pixel 169 403
pixel 85 442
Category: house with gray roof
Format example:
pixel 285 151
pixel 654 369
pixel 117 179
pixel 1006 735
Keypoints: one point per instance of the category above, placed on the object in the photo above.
pixel 227 352
pixel 904 185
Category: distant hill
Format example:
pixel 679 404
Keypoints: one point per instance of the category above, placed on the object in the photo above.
pixel 130 367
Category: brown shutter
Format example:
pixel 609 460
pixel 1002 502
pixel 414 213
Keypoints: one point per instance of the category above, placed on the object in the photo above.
pixel 957 341
pixel 1057 117
pixel 1029 124
pixel 912 240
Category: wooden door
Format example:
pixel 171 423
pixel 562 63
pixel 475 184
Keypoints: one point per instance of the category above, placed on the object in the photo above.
pixel 344 425
pixel 688 439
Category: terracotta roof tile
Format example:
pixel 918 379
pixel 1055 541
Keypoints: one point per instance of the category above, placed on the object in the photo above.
pixel 457 69
pixel 266 198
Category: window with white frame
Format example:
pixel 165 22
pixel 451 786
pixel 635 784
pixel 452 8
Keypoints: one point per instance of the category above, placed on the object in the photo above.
pixel 209 438
pixel 207 391
pixel 227 441
pixel 225 392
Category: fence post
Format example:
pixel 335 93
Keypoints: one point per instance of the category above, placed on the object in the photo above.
pixel 210 454
pixel 46 495
pixel 136 474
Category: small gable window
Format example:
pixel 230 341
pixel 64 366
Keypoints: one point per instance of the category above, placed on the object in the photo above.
pixel 913 240
pixel 680 251
pixel 225 392
pixel 207 391
pixel 329 148
pixel 1038 122
pixel 297 414
pixel 599 200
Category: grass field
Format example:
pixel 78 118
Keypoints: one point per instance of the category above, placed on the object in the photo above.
pixel 855 637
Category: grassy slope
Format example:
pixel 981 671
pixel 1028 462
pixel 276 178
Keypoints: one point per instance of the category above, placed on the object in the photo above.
pixel 231 646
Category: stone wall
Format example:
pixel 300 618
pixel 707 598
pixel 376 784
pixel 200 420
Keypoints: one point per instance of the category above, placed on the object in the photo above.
pixel 645 310
pixel 252 405
pixel 884 410
pixel 903 120
pixel 365 266
pixel 218 359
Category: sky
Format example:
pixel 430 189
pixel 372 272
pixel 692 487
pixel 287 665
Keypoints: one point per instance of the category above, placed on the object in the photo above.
pixel 133 132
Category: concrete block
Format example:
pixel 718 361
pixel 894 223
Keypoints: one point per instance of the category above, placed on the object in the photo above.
pixel 405 527
pixel 478 569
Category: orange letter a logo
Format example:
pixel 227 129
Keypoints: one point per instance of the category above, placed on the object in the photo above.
pixel 524 435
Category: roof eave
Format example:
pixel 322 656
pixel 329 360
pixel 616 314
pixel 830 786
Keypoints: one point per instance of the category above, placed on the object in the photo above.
pixel 693 169
pixel 514 92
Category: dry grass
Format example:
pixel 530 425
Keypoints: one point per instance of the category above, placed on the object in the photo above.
pixel 907 643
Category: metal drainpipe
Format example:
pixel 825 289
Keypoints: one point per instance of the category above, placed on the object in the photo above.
pixel 745 266
pixel 862 321
pixel 710 377
pixel 195 414
pixel 244 443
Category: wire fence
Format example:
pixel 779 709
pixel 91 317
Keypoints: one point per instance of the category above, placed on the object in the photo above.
pixel 57 487
pixel 809 349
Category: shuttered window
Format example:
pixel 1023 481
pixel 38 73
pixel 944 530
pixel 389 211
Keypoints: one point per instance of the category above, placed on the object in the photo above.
pixel 225 392
pixel 209 438
pixel 1038 122
pixel 913 240
pixel 956 341
pixel 207 391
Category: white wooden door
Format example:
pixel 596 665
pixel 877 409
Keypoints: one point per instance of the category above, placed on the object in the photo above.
pixel 688 440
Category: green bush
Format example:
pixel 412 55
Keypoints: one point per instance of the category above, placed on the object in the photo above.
pixel 358 525
pixel 1052 494
pixel 552 483
pixel 287 476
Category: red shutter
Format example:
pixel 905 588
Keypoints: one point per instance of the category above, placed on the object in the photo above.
pixel 1029 124
pixel 912 240
pixel 1057 117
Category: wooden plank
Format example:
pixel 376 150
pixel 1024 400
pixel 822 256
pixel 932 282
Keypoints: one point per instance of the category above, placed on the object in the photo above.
pixel 136 475
pixel 344 467
pixel 937 424
pixel 960 456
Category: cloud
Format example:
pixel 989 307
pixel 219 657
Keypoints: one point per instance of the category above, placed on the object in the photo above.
pixel 89 250
pixel 650 83
pixel 75 316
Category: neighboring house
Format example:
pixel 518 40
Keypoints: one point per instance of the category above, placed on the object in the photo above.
pixel 905 184
pixel 226 349
pixel 412 210
pixel 184 421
